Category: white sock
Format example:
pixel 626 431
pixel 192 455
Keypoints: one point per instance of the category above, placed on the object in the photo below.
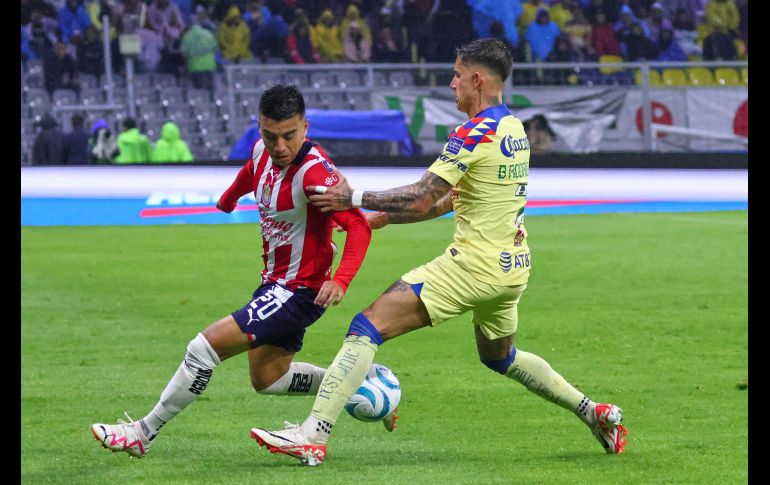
pixel 586 411
pixel 343 377
pixel 317 430
pixel 189 382
pixel 538 376
pixel 302 379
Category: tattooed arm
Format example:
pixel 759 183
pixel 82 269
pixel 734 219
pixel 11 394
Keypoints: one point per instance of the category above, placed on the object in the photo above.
pixel 378 220
pixel 416 200
pixel 419 200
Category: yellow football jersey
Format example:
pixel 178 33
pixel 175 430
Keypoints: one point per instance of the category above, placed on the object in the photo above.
pixel 487 161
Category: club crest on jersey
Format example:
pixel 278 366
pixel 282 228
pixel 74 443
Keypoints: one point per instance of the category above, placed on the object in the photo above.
pixel 267 189
pixel 519 238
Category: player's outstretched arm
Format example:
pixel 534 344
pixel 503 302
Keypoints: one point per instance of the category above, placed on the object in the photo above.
pixel 378 220
pixel 242 185
pixel 414 200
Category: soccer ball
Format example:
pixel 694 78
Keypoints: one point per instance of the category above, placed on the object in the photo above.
pixel 377 397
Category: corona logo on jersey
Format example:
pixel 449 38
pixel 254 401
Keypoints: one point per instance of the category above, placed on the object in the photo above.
pixel 510 145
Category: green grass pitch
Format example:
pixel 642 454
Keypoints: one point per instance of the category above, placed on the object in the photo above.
pixel 649 311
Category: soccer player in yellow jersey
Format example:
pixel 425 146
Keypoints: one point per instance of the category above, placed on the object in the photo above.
pixel 482 175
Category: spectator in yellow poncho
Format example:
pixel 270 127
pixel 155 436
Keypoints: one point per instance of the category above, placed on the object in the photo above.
pixel 719 14
pixel 353 15
pixel 326 37
pixel 234 36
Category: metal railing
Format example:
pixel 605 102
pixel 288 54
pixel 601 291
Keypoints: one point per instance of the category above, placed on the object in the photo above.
pixel 434 77
pixel 437 76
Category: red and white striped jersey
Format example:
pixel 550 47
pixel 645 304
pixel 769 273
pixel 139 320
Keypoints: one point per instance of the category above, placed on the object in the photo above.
pixel 296 236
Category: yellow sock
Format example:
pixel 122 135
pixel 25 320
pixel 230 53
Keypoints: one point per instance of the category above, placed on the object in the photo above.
pixel 343 377
pixel 538 376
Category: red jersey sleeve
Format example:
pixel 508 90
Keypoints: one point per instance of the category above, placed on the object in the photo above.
pixel 243 184
pixel 359 233
pixel 320 174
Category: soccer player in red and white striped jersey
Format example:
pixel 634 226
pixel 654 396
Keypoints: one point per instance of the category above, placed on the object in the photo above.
pixel 297 284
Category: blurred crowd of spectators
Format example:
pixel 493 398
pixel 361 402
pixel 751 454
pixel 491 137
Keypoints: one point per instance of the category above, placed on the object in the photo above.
pixel 99 146
pixel 194 38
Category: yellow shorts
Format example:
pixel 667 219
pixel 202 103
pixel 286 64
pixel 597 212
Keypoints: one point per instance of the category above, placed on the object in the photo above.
pixel 448 291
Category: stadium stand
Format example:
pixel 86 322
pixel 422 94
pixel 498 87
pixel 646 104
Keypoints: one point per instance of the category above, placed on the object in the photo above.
pixel 700 76
pixel 726 76
pixel 674 77
pixel 654 77
pixel 163 90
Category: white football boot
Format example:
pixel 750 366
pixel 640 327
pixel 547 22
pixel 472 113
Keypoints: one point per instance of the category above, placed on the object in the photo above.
pixel 608 430
pixel 124 436
pixel 290 441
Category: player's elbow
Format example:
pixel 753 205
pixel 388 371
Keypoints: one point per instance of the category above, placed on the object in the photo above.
pixel 361 230
pixel 422 207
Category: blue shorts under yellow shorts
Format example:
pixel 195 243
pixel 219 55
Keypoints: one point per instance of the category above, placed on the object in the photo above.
pixel 448 290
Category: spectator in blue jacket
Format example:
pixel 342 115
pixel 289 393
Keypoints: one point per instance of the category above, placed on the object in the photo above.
pixel 486 12
pixel 268 35
pixel 669 48
pixel 627 21
pixel 241 150
pixel 541 35
pixel 73 21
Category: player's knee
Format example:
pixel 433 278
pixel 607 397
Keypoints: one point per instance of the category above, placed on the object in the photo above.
pixel 260 384
pixel 360 325
pixel 500 365
pixel 201 353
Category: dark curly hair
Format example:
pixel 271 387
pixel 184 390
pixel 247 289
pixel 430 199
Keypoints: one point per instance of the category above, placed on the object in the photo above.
pixel 282 102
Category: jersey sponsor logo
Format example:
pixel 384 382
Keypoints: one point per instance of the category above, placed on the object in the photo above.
pixel 513 171
pixel 201 381
pixel 510 145
pixel 508 261
pixel 453 161
pixel 453 145
pixel 453 252
pixel 274 229
pixel 300 382
pixel 505 261
pixel 331 180
pixel 521 260
pixel 327 166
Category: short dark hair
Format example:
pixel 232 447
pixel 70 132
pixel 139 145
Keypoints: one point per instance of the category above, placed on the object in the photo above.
pixel 282 102
pixel 129 123
pixel 490 53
